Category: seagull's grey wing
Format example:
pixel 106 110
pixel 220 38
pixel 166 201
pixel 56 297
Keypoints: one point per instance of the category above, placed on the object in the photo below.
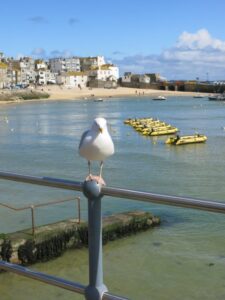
pixel 83 137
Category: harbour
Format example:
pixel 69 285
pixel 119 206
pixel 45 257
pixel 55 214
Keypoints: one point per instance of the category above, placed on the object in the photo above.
pixel 186 242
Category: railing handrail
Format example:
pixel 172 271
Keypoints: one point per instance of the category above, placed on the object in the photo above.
pixel 33 206
pixel 39 204
pixel 94 193
pixel 52 280
pixel 207 205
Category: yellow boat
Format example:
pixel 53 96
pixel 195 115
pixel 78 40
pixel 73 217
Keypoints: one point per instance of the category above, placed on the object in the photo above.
pixel 127 121
pixel 164 131
pixel 150 126
pixel 187 139
pixel 148 130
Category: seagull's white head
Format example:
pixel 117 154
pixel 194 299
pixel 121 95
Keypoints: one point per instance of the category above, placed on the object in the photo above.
pixel 99 125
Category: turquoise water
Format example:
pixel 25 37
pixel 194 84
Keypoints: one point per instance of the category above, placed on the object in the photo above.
pixel 182 259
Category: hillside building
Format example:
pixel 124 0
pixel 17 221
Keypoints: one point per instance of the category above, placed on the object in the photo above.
pixel 62 65
pixel 73 79
pixel 3 74
pixel 106 72
pixel 87 63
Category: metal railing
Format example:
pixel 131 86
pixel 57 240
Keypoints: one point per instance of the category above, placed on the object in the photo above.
pixel 187 202
pixel 53 280
pixel 33 206
pixel 96 290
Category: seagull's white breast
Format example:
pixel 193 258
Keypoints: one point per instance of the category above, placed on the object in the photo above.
pixel 96 145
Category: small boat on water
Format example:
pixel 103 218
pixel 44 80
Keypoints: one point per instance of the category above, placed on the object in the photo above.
pixel 165 131
pixel 212 97
pixel 186 139
pixel 98 100
pixel 151 126
pixel 159 98
pixel 220 97
pixel 198 95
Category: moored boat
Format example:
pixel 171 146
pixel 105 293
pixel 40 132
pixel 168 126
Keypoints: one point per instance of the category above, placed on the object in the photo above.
pixel 220 97
pixel 98 100
pixel 159 98
pixel 212 97
pixel 198 95
pixel 188 139
pixel 165 131
pixel 148 130
pixel 151 126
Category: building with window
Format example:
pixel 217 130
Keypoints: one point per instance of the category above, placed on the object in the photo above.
pixel 62 65
pixel 87 63
pixel 106 72
pixel 3 74
pixel 73 79
pixel 45 76
pixel 27 70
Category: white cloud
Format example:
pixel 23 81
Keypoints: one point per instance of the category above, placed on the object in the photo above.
pixel 199 40
pixel 193 55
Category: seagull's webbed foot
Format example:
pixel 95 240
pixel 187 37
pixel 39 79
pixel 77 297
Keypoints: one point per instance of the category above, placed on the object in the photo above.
pixel 98 179
pixel 89 177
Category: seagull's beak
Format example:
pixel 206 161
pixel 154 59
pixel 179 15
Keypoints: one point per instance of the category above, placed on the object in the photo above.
pixel 100 129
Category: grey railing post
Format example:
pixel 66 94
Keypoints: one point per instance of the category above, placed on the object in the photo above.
pixel 32 219
pixel 96 287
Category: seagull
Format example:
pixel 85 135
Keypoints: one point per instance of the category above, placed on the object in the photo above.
pixel 96 144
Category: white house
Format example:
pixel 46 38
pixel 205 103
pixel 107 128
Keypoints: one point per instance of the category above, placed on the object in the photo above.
pixel 40 64
pixel 73 79
pixel 27 68
pixel 144 79
pixel 45 76
pixel 3 74
pixel 127 77
pixel 106 72
pixel 60 65
pixel 91 62
pixel 75 71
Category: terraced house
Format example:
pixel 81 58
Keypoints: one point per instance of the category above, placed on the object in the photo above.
pixel 71 72
pixel 3 74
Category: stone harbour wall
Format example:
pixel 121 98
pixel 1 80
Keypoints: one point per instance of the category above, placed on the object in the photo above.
pixel 52 240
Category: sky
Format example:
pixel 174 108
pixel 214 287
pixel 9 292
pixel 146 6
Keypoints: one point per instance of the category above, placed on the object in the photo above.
pixel 178 39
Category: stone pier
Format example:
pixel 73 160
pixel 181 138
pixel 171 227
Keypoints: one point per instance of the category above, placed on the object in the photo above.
pixel 52 240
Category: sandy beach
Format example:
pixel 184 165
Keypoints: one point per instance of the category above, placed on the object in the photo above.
pixel 63 93
pixel 58 93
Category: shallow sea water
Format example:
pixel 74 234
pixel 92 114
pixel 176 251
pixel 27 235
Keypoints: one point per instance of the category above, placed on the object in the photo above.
pixel 184 258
